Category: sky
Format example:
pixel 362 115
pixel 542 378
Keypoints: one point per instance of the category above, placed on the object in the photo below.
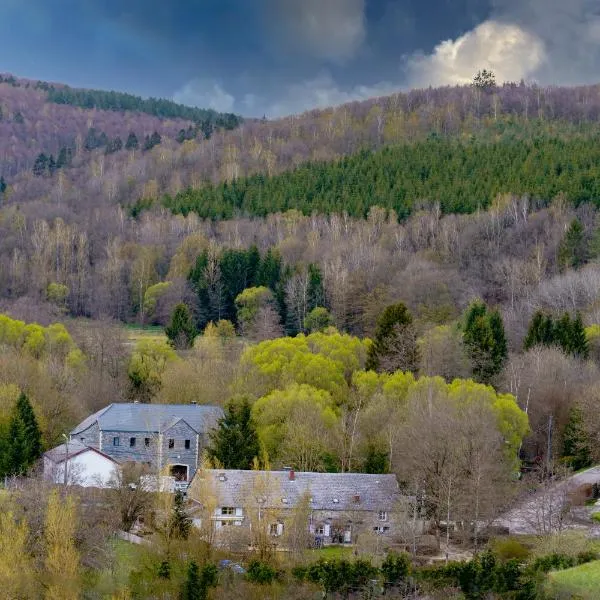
pixel 278 57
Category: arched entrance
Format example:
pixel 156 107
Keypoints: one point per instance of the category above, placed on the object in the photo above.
pixel 179 472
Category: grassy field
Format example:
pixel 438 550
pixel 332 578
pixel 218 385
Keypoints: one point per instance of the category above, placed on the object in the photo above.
pixel 135 333
pixel 581 582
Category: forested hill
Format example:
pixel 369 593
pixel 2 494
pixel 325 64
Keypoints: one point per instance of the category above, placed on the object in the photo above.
pixel 461 176
pixel 39 120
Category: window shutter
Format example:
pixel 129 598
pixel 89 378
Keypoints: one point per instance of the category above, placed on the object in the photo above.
pixel 279 528
pixel 239 512
pixel 327 530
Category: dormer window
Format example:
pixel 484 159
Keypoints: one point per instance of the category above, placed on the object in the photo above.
pixel 336 501
pixel 222 477
pixel 284 500
pixel 382 515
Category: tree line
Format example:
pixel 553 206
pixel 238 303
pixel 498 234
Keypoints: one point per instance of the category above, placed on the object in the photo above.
pixel 158 107
pixel 461 176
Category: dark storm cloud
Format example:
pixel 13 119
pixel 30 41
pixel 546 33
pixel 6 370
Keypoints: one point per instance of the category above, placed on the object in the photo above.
pixel 281 56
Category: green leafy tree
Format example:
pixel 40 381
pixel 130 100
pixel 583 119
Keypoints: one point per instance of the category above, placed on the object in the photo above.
pixel 181 331
pixel 318 319
pixel 261 572
pixel 395 344
pixel 234 443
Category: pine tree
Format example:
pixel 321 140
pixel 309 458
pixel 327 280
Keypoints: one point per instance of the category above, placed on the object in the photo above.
pixel 132 142
pixel 181 331
pixel 40 165
pixel 535 332
pixel 394 346
pixel 485 341
pixel 576 445
pixel 23 445
pixel 192 589
pixel 234 444
pixel 578 339
pixel 180 523
pixel 2 185
pixel 316 293
pixel 573 251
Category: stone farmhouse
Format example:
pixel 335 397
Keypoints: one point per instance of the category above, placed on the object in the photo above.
pixel 338 506
pixel 168 438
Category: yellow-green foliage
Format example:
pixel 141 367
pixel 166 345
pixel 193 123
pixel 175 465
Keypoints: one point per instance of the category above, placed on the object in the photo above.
pixel 149 360
pixel 153 294
pixel 40 342
pixel 324 361
pixel 581 582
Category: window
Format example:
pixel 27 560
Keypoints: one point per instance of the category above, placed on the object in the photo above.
pixel 381 529
pixel 115 441
pixel 187 444
pixel 132 442
pixel 382 516
pixel 275 529
pixel 147 442
pixel 226 523
pixel 228 511
pixel 320 530
pixel 171 443
pixel 82 439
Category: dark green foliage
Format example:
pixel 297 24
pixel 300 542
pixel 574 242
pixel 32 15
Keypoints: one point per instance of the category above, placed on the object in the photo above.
pixel 395 569
pixel 376 460
pixel 261 572
pixel 484 80
pixel 40 165
pixel 576 444
pixel 339 576
pixel 127 102
pixel 114 145
pixel 234 443
pixel 152 140
pixel 573 251
pixel 95 139
pixel 236 270
pixel 18 118
pixel 3 185
pixel 565 333
pixel 198 581
pixel 485 341
pixel 181 330
pixel 180 523
pixel 22 442
pixel 316 292
pixel 394 345
pixel 65 157
pixel 132 142
pixel 436 170
pixel 164 570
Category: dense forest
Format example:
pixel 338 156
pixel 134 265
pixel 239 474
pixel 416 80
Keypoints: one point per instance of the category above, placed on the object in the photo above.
pixel 381 287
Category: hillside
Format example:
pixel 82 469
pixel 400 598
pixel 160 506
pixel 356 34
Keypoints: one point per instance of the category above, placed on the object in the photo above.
pixel 40 118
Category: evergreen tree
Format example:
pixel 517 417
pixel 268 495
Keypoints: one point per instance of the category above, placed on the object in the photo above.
pixel 573 251
pixel 2 185
pixel 578 339
pixel 23 443
pixel 180 523
pixel 65 155
pixel 132 142
pixel 40 165
pixel 576 444
pixel 394 345
pixel 485 341
pixel 51 165
pixel 535 332
pixel 181 331
pixel 192 589
pixel 316 293
pixel 234 444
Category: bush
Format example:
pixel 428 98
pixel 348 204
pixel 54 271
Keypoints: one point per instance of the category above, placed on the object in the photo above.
pixel 261 573
pixel 510 548
pixel 596 517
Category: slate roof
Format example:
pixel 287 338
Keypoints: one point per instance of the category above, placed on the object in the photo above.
pixel 329 491
pixel 74 448
pixel 151 418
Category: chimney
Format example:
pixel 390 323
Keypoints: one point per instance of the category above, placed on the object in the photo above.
pixel 292 475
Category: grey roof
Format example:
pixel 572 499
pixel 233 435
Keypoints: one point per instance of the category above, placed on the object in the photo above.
pixel 152 418
pixel 73 448
pixel 329 491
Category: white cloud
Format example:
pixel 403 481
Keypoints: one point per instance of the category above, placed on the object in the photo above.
pixel 327 29
pixel 512 52
pixel 205 94
pixel 322 92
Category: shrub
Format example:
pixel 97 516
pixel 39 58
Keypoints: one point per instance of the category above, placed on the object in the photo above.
pixel 261 573
pixel 510 548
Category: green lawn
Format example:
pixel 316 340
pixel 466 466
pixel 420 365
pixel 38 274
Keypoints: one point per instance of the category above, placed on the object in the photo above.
pixel 332 552
pixel 135 333
pixel 581 582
